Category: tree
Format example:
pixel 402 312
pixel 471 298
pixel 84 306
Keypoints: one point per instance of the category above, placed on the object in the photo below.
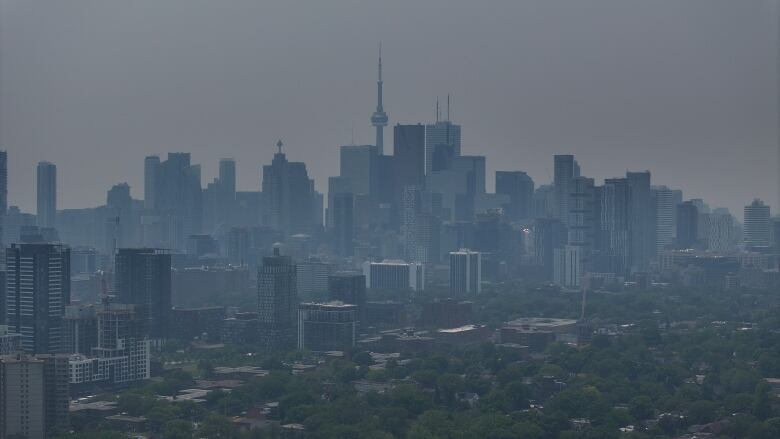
pixel 762 406
pixel 640 408
pixel 702 411
pixel 178 429
pixel 217 427
pixel 206 368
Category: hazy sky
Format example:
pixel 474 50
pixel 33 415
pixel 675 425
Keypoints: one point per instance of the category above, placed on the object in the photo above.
pixel 684 88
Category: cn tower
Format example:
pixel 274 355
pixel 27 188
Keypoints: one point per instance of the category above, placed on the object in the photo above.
pixel 379 118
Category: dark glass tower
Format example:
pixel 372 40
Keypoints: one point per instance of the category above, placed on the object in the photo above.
pixel 143 277
pixel 277 301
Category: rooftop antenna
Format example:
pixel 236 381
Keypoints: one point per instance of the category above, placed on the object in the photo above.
pixel 437 109
pixel 279 145
pixel 448 107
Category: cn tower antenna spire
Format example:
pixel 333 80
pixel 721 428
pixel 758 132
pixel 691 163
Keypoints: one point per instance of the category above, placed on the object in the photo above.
pixel 379 118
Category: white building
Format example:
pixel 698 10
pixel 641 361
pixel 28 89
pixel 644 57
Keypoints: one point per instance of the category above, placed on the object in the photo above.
pixel 122 354
pixel 567 266
pixel 312 276
pixel 394 274
pixel 721 232
pixel 757 224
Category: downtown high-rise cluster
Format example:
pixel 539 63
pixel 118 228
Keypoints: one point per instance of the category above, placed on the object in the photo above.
pixel 86 293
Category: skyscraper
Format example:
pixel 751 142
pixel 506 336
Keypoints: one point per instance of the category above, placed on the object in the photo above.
pixel 379 118
pixel 582 213
pixel 289 196
pixel 277 302
pixel 721 231
pixel 151 176
pixel 664 200
pixel 3 203
pixel 757 230
pixel 227 177
pixel 548 235
pixel 519 187
pixel 3 183
pixel 615 199
pixel 565 169
pixel 358 165
pixel 226 192
pixel 641 220
pixel 336 185
pixel 465 272
pixel 176 199
pixel 349 288
pixel 120 209
pixel 143 277
pixel 567 270
pixel 444 137
pixel 409 158
pixel 343 223
pixel 419 226
pixel 238 246
pixel 38 289
pixel 47 194
pixel 687 225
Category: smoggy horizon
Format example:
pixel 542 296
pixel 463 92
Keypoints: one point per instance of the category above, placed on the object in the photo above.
pixel 687 91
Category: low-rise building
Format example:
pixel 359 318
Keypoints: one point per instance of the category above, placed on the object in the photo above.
pixel 463 335
pixel 328 326
pixel 241 329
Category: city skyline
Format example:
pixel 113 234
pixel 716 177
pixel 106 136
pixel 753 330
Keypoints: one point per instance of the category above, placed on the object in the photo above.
pixel 551 114
pixel 537 219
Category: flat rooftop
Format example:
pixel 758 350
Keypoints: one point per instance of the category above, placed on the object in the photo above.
pixel 541 322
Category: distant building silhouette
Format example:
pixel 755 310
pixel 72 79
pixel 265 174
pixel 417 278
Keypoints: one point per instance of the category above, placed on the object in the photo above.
pixel 687 225
pixel 565 168
pixel 519 187
pixel 47 194
pixel 289 196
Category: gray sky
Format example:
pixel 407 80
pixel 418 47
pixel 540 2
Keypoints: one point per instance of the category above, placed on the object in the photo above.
pixel 686 89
